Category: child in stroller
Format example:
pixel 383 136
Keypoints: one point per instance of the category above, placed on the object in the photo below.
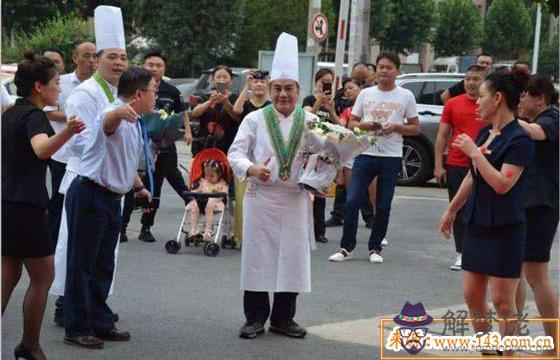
pixel 209 177
pixel 212 182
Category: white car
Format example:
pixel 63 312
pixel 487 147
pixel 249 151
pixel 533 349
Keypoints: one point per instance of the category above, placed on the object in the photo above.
pixel 418 151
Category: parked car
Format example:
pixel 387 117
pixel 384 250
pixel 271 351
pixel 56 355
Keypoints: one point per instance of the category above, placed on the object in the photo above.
pixel 452 64
pixel 7 81
pixel 418 151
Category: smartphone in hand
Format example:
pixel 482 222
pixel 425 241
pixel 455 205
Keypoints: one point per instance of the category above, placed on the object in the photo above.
pixel 221 88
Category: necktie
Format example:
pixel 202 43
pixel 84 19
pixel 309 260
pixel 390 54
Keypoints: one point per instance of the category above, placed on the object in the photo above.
pixel 147 155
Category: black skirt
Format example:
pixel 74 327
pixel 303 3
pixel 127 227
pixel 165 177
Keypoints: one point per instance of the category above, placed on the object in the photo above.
pixel 494 251
pixel 25 232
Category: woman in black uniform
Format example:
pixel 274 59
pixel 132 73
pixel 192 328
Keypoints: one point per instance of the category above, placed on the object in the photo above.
pixel 492 193
pixel 28 141
pixel 539 106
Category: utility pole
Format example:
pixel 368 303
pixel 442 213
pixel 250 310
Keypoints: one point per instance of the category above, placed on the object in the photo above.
pixel 358 46
pixel 536 44
pixel 313 47
pixel 341 31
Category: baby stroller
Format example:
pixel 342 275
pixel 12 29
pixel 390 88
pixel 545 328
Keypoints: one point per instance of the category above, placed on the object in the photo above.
pixel 221 224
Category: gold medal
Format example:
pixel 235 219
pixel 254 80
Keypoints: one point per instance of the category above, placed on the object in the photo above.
pixel 285 175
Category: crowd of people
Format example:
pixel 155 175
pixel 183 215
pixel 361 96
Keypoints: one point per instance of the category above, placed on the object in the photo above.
pixel 501 172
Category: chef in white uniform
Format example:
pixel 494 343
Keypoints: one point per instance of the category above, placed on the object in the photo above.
pixel 278 223
pixel 86 102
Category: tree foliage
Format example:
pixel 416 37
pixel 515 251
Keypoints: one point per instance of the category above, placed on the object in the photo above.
pixel 458 27
pixel 60 32
pixel 402 25
pixel 192 35
pixel 263 23
pixel 507 28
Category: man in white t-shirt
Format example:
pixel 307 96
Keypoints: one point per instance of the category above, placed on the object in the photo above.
pixel 383 109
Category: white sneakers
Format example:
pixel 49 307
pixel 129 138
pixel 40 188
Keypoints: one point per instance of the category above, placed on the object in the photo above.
pixel 384 242
pixel 456 266
pixel 341 255
pixel 375 257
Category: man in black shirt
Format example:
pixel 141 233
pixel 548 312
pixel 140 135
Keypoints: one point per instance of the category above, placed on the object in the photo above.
pixel 170 100
pixel 485 60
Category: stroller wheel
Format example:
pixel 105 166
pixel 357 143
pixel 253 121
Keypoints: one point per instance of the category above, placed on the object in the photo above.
pixel 211 249
pixel 232 242
pixel 225 241
pixel 172 247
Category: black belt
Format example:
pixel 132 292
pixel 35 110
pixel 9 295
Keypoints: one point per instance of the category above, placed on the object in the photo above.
pixel 99 188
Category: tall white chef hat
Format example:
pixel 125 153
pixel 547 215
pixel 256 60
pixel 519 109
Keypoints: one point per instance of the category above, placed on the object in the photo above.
pixel 109 28
pixel 285 64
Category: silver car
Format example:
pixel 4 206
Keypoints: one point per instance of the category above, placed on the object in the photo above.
pixel 418 151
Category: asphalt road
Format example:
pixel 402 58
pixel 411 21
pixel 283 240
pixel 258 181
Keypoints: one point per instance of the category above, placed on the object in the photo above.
pixel 189 306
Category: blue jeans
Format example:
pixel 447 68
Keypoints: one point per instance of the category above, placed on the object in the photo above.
pixel 366 168
pixel 94 220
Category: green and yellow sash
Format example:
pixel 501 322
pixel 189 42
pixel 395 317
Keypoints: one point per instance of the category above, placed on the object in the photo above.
pixel 104 86
pixel 285 152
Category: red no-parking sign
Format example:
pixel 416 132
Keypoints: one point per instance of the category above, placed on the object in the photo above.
pixel 319 27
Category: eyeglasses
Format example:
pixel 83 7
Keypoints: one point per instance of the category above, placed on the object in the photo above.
pixel 407 331
pixel 150 90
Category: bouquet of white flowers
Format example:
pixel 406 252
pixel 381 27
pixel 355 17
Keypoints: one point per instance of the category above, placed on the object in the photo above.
pixel 330 146
pixel 163 128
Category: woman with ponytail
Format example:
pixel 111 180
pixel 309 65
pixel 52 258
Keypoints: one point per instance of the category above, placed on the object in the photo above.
pixel 28 141
pixel 492 193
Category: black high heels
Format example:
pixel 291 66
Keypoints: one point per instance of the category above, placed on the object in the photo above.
pixel 22 352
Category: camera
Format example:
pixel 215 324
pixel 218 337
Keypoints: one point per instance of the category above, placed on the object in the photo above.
pixel 260 74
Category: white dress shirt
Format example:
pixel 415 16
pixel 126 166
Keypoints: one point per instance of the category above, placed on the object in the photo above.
pixel 86 102
pixel 111 160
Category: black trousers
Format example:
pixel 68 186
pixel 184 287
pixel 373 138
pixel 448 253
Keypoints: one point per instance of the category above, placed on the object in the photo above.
pixel 128 207
pixel 94 219
pixel 319 215
pixel 165 168
pixel 339 206
pixel 455 176
pixel 56 202
pixel 257 307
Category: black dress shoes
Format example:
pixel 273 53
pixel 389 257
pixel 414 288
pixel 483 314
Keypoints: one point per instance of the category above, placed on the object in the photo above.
pixel 321 239
pixel 250 331
pixel 291 329
pixel 333 222
pixel 114 335
pixel 85 341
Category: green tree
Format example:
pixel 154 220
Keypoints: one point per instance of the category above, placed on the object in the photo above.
pixel 192 35
pixel 410 25
pixel 380 18
pixel 458 27
pixel 548 58
pixel 507 28
pixel 264 20
pixel 59 32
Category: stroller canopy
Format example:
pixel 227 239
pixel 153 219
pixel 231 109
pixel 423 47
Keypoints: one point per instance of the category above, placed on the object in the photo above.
pixel 197 170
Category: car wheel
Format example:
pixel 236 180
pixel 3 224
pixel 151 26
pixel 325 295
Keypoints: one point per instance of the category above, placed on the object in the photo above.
pixel 416 163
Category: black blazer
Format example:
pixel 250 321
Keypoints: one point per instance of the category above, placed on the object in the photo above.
pixel 484 206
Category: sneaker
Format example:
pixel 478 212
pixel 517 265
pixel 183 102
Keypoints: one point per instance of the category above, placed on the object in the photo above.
pixel 321 239
pixel 291 329
pixel 146 235
pixel 456 266
pixel 375 257
pixel 333 222
pixel 341 255
pixel 384 242
pixel 250 331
